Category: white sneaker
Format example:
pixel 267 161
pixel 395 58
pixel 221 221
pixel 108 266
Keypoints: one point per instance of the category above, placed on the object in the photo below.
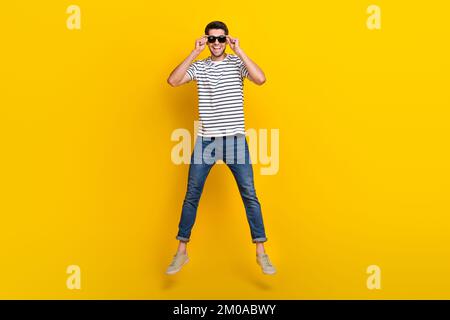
pixel 266 266
pixel 178 261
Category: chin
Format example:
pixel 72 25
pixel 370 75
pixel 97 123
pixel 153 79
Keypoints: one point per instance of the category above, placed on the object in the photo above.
pixel 218 54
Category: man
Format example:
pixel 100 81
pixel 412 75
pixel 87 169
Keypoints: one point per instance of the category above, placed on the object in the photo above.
pixel 221 133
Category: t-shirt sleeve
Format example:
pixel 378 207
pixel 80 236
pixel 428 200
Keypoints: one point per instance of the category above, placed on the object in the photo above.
pixel 243 69
pixel 192 70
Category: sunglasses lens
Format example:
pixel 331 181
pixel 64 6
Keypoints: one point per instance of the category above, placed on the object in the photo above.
pixel 212 39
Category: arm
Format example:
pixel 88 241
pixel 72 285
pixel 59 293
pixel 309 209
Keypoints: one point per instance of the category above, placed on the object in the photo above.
pixel 179 75
pixel 256 75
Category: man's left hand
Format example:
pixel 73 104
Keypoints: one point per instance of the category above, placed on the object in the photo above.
pixel 234 44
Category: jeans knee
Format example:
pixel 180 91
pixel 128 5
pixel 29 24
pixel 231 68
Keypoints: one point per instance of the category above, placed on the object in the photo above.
pixel 193 192
pixel 248 192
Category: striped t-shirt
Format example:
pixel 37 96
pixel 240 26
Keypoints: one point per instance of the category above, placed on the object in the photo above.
pixel 220 95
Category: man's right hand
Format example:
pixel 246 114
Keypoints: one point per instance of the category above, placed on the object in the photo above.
pixel 179 75
pixel 200 44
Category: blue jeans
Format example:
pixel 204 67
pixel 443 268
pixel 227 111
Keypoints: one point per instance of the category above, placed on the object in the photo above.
pixel 233 150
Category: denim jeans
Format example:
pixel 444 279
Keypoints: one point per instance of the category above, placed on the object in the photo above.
pixel 233 150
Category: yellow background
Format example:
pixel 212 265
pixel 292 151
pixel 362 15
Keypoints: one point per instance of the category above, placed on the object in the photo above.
pixel 86 119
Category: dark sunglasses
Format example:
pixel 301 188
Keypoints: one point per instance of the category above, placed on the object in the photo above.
pixel 212 39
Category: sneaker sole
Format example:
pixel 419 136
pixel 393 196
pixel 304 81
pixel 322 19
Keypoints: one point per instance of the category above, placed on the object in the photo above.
pixel 177 270
pixel 269 273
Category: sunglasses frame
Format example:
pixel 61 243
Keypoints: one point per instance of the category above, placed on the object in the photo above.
pixel 217 38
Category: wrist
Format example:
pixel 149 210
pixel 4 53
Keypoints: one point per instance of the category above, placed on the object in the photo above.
pixel 239 52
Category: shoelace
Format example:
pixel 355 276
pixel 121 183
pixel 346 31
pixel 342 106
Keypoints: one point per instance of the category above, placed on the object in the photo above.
pixel 174 261
pixel 266 261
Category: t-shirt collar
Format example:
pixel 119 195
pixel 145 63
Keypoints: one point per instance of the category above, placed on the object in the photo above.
pixel 209 60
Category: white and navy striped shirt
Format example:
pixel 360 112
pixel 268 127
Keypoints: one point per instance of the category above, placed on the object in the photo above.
pixel 220 95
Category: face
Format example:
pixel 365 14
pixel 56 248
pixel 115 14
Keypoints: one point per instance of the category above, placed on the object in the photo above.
pixel 216 48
